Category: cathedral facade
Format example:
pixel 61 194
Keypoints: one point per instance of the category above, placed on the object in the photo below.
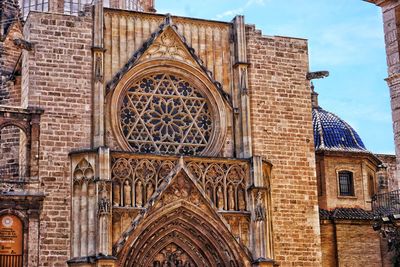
pixel 131 138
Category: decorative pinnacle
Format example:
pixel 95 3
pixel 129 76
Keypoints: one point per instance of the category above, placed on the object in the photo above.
pixel 168 19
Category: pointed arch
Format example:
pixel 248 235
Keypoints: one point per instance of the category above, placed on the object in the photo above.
pixel 198 234
pixel 180 215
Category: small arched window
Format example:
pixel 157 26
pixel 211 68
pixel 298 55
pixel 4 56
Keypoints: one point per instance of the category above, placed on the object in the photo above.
pixel 371 185
pixel 346 183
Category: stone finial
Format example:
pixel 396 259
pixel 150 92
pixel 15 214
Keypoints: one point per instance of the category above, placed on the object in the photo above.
pixel 314 96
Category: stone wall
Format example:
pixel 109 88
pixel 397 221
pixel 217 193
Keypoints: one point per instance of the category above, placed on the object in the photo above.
pixel 9 153
pixel 358 244
pixel 394 84
pixel 10 88
pixel 328 244
pixel 362 169
pixel 282 133
pixel 58 74
pixel 350 243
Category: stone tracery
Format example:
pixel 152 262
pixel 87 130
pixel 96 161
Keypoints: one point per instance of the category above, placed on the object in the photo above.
pixel 135 179
pixel 164 113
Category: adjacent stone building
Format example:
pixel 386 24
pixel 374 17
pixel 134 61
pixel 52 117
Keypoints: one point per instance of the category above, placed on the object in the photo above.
pixel 131 138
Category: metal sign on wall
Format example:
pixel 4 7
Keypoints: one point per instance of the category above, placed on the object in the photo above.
pixel 11 241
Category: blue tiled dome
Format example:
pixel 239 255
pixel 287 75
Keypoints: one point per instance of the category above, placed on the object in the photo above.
pixel 333 133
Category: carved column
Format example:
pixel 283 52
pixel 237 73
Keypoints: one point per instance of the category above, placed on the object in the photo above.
pixel 391 22
pixel 240 94
pixel 104 188
pixel 261 217
pixel 98 74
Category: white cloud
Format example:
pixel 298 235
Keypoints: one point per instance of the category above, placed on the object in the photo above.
pixel 242 9
pixel 230 13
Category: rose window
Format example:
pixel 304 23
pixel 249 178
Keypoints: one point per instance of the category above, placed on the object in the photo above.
pixel 164 113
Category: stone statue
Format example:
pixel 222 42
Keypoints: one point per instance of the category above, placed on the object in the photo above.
pixel 210 194
pixel 127 194
pixel 231 198
pixel 104 206
pixel 260 209
pixel 220 198
pixel 242 202
pixel 104 203
pixel 116 194
pixel 149 191
pixel 139 194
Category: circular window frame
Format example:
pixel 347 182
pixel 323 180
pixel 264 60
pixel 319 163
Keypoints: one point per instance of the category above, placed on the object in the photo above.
pixel 192 75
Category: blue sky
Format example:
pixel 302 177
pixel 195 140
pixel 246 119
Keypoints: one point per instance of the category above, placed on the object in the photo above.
pixel 345 37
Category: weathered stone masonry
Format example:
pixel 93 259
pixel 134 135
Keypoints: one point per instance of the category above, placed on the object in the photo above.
pixel 57 77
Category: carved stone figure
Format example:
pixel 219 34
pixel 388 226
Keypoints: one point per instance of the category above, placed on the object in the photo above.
pixel 231 198
pixel 260 209
pixel 104 205
pixel 116 194
pixel 139 194
pixel 241 200
pixel 220 198
pixel 149 191
pixel 210 193
pixel 127 194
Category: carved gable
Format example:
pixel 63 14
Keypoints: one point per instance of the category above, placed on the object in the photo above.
pixel 180 226
pixel 169 45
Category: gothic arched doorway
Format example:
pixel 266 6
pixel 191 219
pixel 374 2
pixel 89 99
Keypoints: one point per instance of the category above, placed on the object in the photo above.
pixel 181 230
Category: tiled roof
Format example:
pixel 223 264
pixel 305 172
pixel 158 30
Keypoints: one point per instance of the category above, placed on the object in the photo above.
pixel 346 214
pixel 333 133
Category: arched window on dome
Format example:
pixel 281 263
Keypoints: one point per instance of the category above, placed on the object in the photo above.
pixel 346 183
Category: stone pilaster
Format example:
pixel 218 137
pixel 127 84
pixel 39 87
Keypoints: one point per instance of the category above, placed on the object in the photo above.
pixel 240 96
pixel 394 85
pixel 104 238
pixel 260 206
pixel 391 26
pixel 98 74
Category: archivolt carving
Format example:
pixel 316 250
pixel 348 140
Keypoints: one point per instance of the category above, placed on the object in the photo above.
pixel 173 255
pixel 181 236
